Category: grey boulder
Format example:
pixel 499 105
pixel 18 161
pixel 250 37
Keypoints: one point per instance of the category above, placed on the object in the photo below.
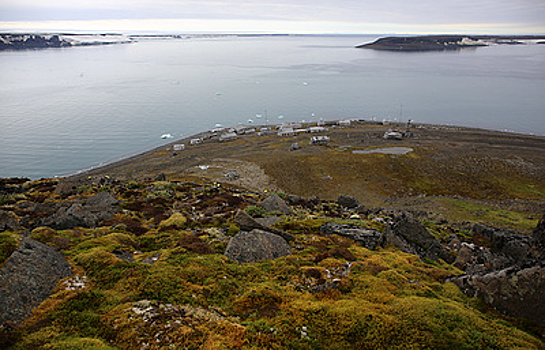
pixel 257 245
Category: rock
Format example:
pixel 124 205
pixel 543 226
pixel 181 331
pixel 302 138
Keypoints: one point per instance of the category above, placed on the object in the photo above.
pixel 412 237
pixel 247 247
pixel 88 213
pixel 123 255
pixel 100 201
pixel 369 238
pixel 348 202
pixel 295 199
pixel 453 243
pixel 477 259
pixel 74 216
pixel 362 209
pixel 28 277
pixel 8 221
pixel 294 146
pixel 152 259
pixel 247 223
pixel 268 220
pixel 69 186
pixel 517 291
pixel 102 205
pixel 275 203
pixel 232 175
pixel 513 245
pixel 539 233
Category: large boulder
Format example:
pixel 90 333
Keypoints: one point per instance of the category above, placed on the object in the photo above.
pixel 511 244
pixel 247 247
pixel 369 238
pixel 28 277
pixel 74 216
pixel 412 237
pixel 472 258
pixel 8 221
pixel 248 223
pixel 275 203
pixel 517 291
pixel 89 213
pixel 348 202
pixel 539 238
pixel 103 205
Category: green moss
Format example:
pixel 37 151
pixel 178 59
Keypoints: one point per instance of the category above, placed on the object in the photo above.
pixel 43 234
pixel 176 220
pixel 472 211
pixel 8 243
pixel 310 299
pixel 256 212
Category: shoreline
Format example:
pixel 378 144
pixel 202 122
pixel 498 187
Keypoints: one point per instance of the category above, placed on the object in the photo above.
pixel 131 157
pixel 361 134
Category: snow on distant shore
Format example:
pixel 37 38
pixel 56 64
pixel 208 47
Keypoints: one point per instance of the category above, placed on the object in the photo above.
pixel 37 41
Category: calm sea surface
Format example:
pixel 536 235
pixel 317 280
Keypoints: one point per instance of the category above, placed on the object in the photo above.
pixel 63 110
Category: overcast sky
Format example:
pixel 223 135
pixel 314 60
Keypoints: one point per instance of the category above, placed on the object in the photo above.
pixel 281 16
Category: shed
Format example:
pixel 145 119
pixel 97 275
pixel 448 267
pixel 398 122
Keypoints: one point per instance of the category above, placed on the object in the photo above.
pixel 286 132
pixel 319 140
pixel 228 136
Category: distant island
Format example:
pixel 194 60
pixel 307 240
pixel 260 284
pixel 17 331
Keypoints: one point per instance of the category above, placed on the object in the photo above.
pixel 12 41
pixel 447 42
pixel 26 41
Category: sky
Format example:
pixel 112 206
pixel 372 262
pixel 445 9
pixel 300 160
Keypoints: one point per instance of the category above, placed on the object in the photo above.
pixel 276 16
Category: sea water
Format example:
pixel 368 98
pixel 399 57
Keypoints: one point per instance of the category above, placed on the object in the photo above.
pixel 64 110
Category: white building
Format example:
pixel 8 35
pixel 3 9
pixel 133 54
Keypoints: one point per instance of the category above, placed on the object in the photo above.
pixel 317 129
pixel 286 132
pixel 228 136
pixel 319 140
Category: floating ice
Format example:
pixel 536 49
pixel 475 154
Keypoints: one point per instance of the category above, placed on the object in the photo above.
pixel 167 136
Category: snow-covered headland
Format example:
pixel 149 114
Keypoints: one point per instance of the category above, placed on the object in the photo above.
pixel 10 41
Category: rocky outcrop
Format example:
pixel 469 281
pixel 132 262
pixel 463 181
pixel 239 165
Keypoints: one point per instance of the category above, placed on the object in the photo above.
pixel 512 245
pixel 274 203
pixel 539 239
pixel 509 274
pixel 369 238
pixel 247 223
pixel 68 186
pixel 472 259
pixel 500 250
pixel 348 202
pixel 247 247
pixel 517 291
pixel 8 221
pixel 28 278
pixel 412 237
pixel 88 213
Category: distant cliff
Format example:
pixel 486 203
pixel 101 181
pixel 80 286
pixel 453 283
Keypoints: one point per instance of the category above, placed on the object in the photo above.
pixel 447 42
pixel 41 41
